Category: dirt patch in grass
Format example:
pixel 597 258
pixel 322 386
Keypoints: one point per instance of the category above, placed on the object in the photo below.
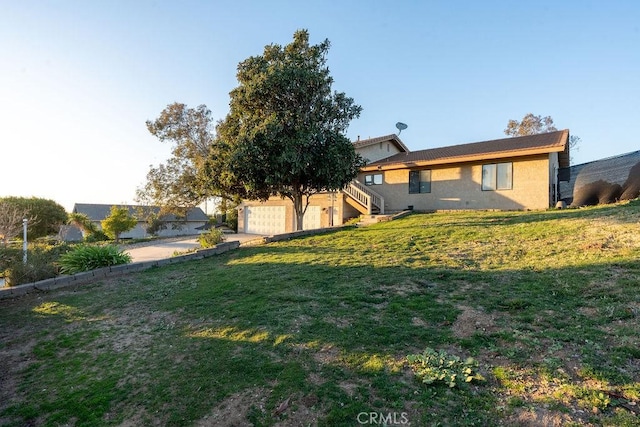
pixel 134 327
pixel 407 287
pixel 235 409
pixel 326 355
pixel 14 360
pixel 472 321
pixel 536 417
pixel 340 322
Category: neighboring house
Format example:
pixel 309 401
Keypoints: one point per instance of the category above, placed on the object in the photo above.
pixel 504 174
pixel 194 222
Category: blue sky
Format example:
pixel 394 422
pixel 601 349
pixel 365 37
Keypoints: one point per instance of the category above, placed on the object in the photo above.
pixel 78 79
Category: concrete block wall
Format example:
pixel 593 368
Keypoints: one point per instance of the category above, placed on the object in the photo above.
pixel 107 272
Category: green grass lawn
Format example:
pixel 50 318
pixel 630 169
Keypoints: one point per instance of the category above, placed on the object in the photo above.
pixel 316 330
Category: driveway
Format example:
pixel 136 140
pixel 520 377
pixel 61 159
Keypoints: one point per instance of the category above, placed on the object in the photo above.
pixel 162 250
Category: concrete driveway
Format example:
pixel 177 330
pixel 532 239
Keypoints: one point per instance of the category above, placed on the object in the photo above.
pixel 161 250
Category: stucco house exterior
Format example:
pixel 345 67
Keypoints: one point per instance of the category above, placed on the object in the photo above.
pixel 192 224
pixel 503 174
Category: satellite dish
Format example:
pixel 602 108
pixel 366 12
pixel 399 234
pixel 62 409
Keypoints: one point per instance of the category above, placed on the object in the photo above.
pixel 401 126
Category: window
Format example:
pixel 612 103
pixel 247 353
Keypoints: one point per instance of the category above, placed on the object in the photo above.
pixel 373 179
pixel 420 181
pixel 497 176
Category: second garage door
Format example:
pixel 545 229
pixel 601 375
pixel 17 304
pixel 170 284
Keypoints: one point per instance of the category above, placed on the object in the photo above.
pixel 266 220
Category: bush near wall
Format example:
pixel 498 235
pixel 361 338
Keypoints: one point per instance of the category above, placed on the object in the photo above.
pixel 85 258
pixel 41 263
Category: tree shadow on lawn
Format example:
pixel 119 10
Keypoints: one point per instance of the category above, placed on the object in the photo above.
pixel 332 339
pixel 576 327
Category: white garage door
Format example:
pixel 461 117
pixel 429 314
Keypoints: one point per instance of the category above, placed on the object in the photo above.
pixel 265 219
pixel 311 219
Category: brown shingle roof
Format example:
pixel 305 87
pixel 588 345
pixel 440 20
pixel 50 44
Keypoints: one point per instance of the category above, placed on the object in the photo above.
pixel 371 141
pixel 485 150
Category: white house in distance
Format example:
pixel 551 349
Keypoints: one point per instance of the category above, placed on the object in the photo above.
pixel 193 223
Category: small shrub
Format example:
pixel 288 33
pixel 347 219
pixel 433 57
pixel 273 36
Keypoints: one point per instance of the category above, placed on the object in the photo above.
pixel 212 238
pixel 9 256
pixel 96 236
pixel 85 258
pixel 39 266
pixel 231 220
pixel 438 366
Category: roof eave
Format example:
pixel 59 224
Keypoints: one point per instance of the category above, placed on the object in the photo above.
pixel 464 159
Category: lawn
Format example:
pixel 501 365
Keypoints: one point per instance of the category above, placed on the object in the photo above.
pixel 316 330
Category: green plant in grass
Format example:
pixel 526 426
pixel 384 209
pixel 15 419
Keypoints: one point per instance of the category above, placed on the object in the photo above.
pixel 85 258
pixel 212 238
pixel 434 366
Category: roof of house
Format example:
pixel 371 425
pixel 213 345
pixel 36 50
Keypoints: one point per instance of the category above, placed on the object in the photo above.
pixel 395 139
pixel 98 212
pixel 543 143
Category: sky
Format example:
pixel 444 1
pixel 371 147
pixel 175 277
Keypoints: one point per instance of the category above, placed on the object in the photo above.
pixel 79 79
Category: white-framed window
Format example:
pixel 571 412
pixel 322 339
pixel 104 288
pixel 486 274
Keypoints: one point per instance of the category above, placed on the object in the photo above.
pixel 373 179
pixel 497 176
pixel 420 181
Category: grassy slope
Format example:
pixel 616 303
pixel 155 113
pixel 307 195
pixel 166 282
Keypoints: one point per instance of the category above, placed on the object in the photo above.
pixel 547 302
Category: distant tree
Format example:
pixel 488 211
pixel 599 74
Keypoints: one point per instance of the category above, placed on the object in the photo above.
pixel 11 217
pixel 532 125
pixel 179 184
pixel 118 222
pixel 284 134
pixel 45 216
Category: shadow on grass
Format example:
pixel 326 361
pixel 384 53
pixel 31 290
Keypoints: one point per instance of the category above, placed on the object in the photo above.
pixel 278 320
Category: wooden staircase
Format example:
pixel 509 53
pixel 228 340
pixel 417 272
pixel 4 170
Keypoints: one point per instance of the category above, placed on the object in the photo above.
pixel 365 200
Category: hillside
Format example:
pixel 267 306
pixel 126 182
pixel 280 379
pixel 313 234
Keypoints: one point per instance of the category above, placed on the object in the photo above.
pixel 315 331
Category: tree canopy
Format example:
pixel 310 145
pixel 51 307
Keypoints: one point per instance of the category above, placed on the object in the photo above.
pixel 284 133
pixel 532 125
pixel 118 222
pixel 179 184
pixel 45 216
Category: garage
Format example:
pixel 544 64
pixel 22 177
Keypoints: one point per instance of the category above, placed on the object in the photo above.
pixel 265 220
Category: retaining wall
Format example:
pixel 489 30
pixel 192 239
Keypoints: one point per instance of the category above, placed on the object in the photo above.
pixel 107 272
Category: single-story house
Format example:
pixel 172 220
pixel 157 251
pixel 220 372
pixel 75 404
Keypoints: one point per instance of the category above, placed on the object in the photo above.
pixel 193 223
pixel 504 174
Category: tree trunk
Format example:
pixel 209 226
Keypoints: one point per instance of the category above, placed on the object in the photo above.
pixel 299 208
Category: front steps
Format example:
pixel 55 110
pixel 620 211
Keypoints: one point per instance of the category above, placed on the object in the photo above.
pixel 366 220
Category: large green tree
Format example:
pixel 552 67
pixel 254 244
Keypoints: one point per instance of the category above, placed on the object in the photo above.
pixel 198 167
pixel 45 216
pixel 532 125
pixel 284 134
pixel 178 184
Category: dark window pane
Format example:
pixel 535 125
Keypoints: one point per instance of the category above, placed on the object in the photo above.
pixel 414 182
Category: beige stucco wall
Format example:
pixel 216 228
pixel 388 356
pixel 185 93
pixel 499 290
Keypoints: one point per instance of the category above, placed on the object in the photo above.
pixel 459 186
pixel 379 151
pixel 343 210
